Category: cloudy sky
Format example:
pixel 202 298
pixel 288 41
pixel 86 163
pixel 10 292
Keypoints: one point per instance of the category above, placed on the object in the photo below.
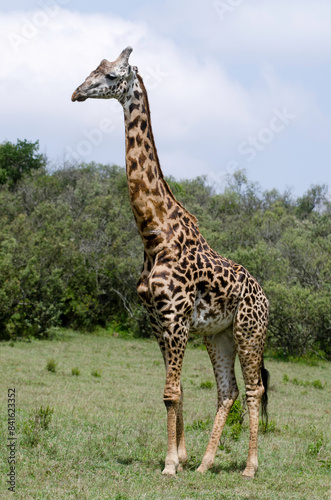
pixel 232 83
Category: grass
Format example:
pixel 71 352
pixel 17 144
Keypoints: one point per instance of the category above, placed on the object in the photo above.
pixel 51 365
pixel 91 437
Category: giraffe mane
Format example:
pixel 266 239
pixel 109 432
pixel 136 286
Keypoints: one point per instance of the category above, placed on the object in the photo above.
pixel 143 88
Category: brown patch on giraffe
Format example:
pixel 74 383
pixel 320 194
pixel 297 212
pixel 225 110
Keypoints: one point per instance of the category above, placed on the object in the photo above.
pixel 134 123
pixel 137 186
pixel 131 142
pixel 156 192
pixel 160 211
pixel 169 203
pixel 143 126
pixel 133 165
pixel 176 213
pixel 134 107
pixel 142 158
pixel 151 177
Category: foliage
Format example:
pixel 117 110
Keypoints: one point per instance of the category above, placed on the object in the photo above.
pixel 51 365
pixel 18 159
pixel 314 448
pixel 317 384
pixel 70 253
pixel 32 429
pixel 237 412
pixel 207 384
pixel 199 425
pixel 267 427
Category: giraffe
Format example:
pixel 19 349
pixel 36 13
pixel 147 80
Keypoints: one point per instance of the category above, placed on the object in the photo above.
pixel 185 285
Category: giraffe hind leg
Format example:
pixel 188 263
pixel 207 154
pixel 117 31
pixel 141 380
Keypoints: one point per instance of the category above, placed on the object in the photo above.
pixel 250 345
pixel 222 353
pixel 181 448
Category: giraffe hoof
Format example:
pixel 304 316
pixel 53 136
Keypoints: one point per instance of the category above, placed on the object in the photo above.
pixel 169 470
pixel 202 468
pixel 248 474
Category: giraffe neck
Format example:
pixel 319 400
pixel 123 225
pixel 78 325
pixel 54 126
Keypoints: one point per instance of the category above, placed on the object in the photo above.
pixel 154 206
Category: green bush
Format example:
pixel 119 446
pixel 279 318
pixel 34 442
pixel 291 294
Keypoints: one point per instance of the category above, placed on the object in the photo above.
pixel 19 159
pixel 237 412
pixel 207 384
pixel 51 365
pixel 33 428
pixel 199 425
pixel 71 255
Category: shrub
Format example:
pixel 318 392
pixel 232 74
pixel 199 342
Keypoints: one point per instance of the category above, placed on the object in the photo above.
pixel 208 384
pixel 315 447
pixel 294 319
pixel 51 365
pixel 33 428
pixel 236 430
pixel 199 425
pixel 71 255
pixel 267 427
pixel 317 384
pixel 237 412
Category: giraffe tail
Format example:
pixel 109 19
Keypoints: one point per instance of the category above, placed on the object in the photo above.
pixel 264 401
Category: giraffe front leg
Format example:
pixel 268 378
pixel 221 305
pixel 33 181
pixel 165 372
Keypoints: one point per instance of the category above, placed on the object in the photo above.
pixel 174 348
pixel 171 401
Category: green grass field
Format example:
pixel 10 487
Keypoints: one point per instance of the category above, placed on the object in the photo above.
pixel 95 428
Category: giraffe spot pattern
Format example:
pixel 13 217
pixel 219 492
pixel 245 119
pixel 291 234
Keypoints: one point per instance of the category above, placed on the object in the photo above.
pixel 185 285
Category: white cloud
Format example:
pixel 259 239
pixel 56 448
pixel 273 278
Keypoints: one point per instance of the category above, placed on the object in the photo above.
pixel 248 30
pixel 200 113
pixel 295 29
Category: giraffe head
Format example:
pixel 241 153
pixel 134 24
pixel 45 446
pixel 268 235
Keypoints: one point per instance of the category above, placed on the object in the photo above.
pixel 109 80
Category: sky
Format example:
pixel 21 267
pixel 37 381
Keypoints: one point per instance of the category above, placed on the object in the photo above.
pixel 232 84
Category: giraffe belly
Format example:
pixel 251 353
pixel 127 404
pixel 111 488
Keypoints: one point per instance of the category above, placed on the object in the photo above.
pixel 209 320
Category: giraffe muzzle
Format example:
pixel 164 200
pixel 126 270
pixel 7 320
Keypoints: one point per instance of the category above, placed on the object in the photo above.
pixel 76 96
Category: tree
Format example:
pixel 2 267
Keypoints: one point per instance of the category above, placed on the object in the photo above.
pixel 314 199
pixel 19 159
pixel 70 252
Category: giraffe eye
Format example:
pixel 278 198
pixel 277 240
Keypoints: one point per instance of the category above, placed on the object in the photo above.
pixel 111 76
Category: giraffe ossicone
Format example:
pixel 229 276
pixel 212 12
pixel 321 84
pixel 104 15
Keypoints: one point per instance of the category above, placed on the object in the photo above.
pixel 185 285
